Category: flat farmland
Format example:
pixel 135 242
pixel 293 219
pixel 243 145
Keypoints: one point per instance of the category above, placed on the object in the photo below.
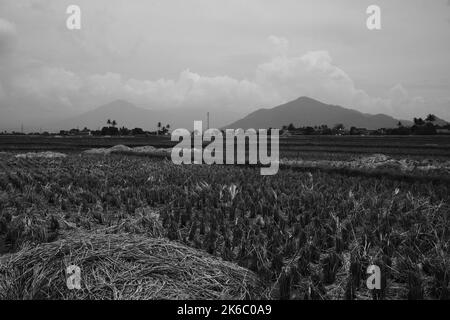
pixel 305 233
pixel 303 146
pixel 28 143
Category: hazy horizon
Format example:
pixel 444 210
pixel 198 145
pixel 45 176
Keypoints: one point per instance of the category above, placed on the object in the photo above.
pixel 229 55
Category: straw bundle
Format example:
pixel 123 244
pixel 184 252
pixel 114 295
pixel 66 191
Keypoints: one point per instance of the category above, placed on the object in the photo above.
pixel 123 267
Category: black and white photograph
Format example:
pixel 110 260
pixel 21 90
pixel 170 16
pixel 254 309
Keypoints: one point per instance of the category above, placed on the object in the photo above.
pixel 219 156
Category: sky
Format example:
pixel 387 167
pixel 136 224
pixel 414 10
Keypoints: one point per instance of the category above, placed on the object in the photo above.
pixel 232 54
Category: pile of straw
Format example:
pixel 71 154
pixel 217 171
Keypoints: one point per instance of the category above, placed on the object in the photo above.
pixel 121 149
pixel 123 267
pixel 45 155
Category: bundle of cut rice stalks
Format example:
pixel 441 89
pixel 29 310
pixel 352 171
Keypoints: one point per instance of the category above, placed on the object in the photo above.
pixel 123 266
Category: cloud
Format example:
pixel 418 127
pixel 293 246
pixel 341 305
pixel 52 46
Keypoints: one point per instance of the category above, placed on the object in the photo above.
pixel 65 89
pixel 279 80
pixel 311 74
pixel 188 90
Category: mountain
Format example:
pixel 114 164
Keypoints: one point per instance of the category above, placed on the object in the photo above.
pixel 440 122
pixel 309 112
pixel 125 113
pixel 301 112
pixel 128 115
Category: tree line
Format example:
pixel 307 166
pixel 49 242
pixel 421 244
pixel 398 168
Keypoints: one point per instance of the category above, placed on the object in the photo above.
pixel 111 129
pixel 419 126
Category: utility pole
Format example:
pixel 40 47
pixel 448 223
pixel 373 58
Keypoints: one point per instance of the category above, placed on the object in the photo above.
pixel 207 120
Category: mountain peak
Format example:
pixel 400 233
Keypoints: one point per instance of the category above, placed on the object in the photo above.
pixel 440 122
pixel 118 103
pixel 307 99
pixel 305 111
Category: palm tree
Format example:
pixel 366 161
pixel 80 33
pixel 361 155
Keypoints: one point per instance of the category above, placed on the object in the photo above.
pixel 108 122
pixel 418 121
pixel 114 123
pixel 159 126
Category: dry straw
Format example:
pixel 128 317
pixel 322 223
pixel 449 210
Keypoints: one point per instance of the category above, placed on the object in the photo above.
pixel 123 267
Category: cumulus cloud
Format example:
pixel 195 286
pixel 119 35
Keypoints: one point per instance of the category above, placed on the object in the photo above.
pixel 188 90
pixel 311 74
pixel 63 88
pixel 279 80
pixel 314 74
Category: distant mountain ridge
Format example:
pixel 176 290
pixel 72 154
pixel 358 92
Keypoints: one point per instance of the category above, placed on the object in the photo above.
pixel 303 111
pixel 129 115
pixel 306 111
pixel 125 113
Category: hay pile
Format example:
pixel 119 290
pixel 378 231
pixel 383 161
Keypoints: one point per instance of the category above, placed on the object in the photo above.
pixel 375 161
pixel 145 151
pixel 144 222
pixel 123 267
pixel 121 149
pixel 46 155
pixel 102 151
pixel 105 151
pixel 150 150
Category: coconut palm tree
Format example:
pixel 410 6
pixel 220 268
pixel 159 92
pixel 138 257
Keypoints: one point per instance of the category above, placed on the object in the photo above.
pixel 159 127
pixel 419 121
